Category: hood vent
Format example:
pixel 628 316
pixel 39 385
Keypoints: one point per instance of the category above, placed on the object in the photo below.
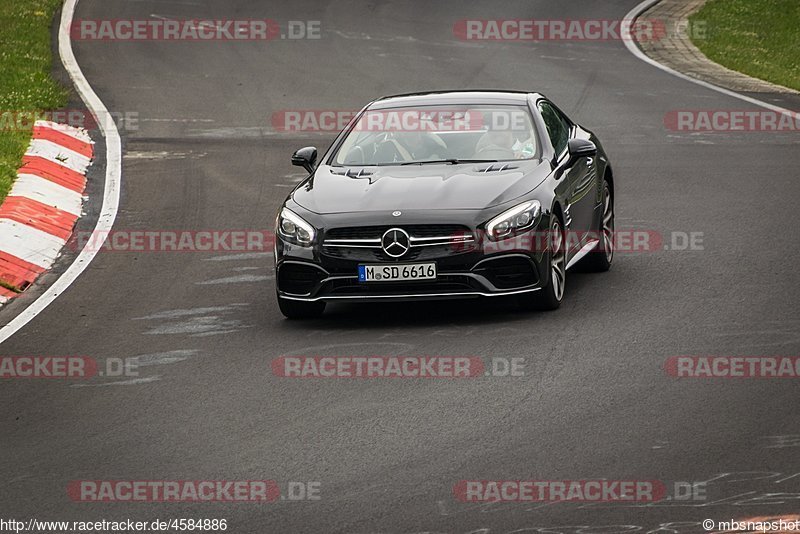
pixel 353 172
pixel 497 167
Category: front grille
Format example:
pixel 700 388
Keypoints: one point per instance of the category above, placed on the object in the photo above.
pixel 414 230
pixel 428 241
pixel 373 254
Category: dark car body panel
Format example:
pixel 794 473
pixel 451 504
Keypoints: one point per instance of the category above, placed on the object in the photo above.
pixel 348 200
pixel 414 187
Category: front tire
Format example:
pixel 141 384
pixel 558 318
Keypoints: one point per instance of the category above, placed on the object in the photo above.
pixel 599 260
pixel 298 309
pixel 549 297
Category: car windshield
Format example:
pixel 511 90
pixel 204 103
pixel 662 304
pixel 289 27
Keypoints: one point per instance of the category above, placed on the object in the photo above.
pixel 447 134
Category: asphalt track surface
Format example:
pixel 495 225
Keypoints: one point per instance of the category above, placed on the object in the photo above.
pixel 594 401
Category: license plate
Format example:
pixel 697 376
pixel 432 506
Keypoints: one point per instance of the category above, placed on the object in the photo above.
pixel 396 273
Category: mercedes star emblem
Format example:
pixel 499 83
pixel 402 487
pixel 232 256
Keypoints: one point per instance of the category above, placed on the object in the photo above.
pixel 395 242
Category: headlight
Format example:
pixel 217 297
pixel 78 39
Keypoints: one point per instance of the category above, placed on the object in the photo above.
pixel 517 219
pixel 294 229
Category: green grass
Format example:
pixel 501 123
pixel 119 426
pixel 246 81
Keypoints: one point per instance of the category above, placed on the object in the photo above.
pixel 760 38
pixel 10 287
pixel 25 81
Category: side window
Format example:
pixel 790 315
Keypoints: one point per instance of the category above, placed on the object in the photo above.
pixel 557 126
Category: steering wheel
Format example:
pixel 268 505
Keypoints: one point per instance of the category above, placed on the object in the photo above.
pixel 386 151
pixel 356 155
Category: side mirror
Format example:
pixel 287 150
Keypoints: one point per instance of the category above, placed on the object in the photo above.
pixel 577 148
pixel 307 158
pixel 581 148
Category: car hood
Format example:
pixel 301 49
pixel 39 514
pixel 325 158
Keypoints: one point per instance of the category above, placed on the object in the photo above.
pixel 418 187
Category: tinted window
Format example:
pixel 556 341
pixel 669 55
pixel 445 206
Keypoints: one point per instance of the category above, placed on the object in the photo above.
pixel 396 136
pixel 557 126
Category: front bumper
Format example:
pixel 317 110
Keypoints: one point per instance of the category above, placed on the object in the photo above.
pixel 319 274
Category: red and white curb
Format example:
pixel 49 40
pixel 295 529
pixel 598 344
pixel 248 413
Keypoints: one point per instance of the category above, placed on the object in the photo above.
pixel 39 213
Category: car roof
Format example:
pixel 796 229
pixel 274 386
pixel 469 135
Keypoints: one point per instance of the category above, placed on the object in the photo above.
pixel 471 97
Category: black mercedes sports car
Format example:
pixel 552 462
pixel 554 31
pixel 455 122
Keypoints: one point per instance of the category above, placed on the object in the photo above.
pixel 446 195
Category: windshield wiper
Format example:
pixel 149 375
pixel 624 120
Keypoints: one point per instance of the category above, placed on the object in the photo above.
pixel 450 161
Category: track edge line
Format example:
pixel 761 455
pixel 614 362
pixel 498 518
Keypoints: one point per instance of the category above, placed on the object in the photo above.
pixel 630 44
pixel 113 179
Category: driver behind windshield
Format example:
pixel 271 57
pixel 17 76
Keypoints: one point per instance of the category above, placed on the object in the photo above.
pixel 501 141
pixel 422 146
pixel 493 133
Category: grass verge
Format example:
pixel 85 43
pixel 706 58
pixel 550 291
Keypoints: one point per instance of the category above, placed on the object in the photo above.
pixel 8 286
pixel 760 38
pixel 25 81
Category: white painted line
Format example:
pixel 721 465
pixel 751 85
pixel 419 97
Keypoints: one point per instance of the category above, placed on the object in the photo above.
pixel 58 154
pixel 47 192
pixel 131 382
pixel 630 44
pixel 78 133
pixel 29 244
pixel 108 211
